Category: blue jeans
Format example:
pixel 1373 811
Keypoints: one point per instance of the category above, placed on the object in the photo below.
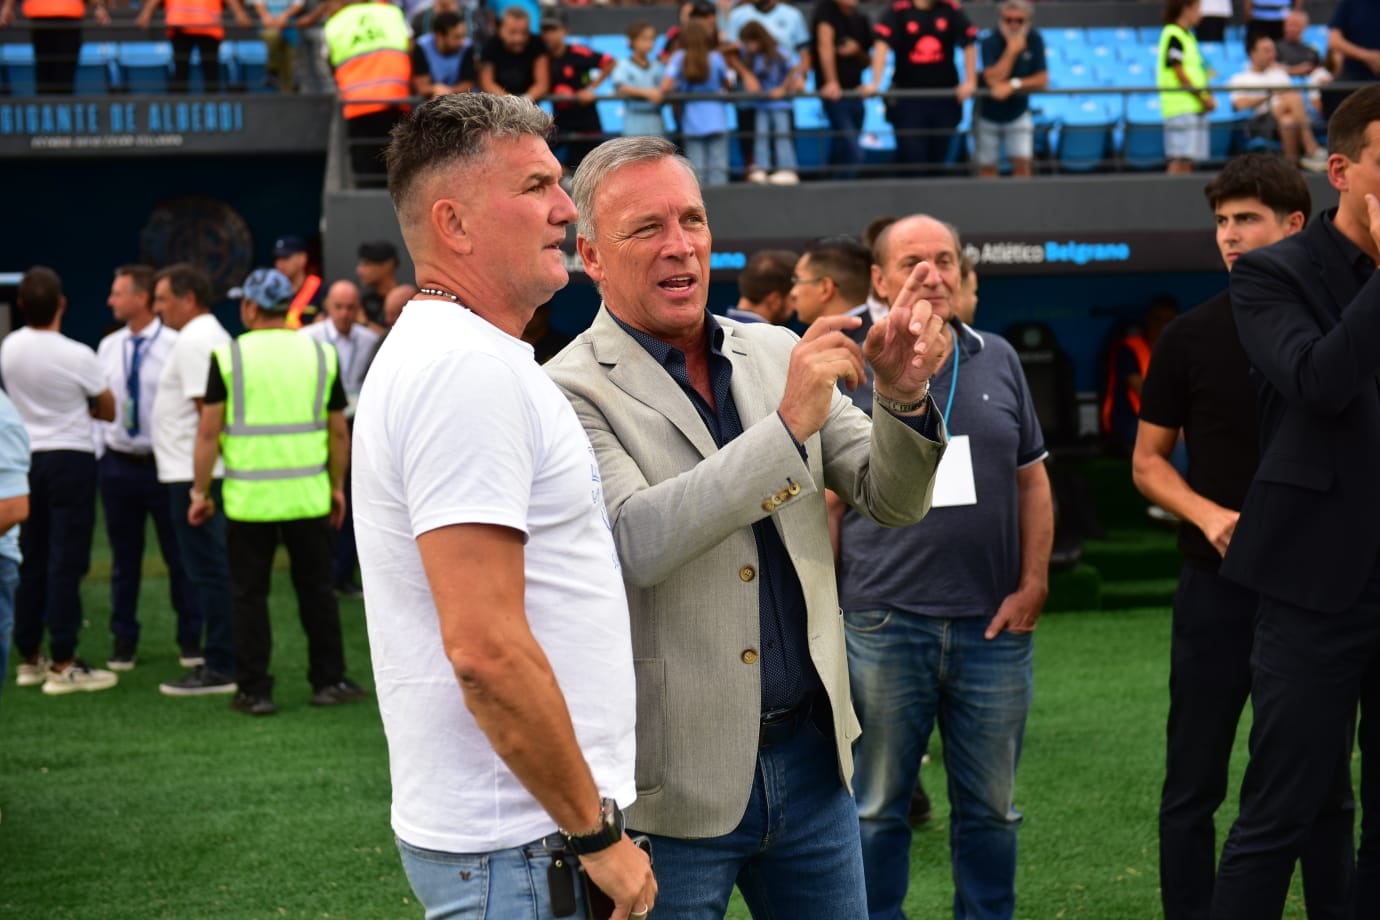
pixel 709 154
pixel 907 670
pixel 845 124
pixel 502 885
pixel 9 581
pixel 795 853
pixel 208 574
pixel 773 140
pixel 131 494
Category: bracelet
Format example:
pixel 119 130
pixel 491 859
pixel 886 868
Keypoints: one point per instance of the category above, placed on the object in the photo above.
pixel 196 496
pixel 900 408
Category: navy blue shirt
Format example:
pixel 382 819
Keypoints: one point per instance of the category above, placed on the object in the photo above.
pixel 788 673
pixel 1359 23
pixel 1030 62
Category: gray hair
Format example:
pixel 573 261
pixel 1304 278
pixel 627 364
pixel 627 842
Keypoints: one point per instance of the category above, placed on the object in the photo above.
pixel 1023 6
pixel 453 130
pixel 608 158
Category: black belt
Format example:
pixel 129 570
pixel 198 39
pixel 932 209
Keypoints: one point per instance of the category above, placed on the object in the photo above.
pixel 141 459
pixel 780 725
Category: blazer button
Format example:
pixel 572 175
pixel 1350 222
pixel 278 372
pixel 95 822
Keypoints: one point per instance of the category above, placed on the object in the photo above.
pixel 782 496
pixel 746 573
pixel 794 488
pixel 768 506
pixel 750 656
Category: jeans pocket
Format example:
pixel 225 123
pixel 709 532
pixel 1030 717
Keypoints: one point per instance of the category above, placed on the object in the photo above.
pixel 650 772
pixel 866 621
pixel 447 884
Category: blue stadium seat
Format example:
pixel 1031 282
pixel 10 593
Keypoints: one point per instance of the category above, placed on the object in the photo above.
pixel 95 68
pixel 1143 147
pixel 251 58
pixel 1071 76
pixel 1139 53
pixel 877 138
pixel 1149 35
pixel 1085 135
pixel 611 115
pixel 18 62
pixel 612 44
pixel 144 67
pixel 1112 36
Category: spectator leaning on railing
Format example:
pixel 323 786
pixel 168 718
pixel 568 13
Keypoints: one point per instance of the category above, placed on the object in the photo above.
pixel 576 70
pixel 279 33
pixel 638 79
pixel 195 25
pixel 443 60
pixel 513 62
pixel 1013 65
pixel 56 37
pixel 841 37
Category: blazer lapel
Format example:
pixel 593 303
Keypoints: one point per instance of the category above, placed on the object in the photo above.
pixel 1337 276
pixel 637 373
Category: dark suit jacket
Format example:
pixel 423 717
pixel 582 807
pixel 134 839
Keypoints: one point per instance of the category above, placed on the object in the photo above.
pixel 1309 533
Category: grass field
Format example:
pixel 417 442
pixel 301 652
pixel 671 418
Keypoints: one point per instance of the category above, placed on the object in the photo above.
pixel 128 804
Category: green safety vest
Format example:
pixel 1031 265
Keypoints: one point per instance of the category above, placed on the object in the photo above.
pixel 1175 101
pixel 275 440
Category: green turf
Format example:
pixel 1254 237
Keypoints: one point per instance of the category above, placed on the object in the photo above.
pixel 128 804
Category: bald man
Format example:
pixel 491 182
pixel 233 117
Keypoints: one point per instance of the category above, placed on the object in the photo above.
pixel 355 344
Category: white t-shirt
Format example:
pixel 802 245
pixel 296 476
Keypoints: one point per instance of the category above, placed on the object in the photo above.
pixel 175 416
pixel 116 354
pixel 1216 8
pixel 457 424
pixel 50 379
pixel 1250 82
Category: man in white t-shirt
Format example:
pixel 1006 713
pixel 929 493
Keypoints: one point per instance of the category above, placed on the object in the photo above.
pixel 354 344
pixel 1277 111
pixel 58 387
pixel 182 299
pixel 497 619
pixel 132 358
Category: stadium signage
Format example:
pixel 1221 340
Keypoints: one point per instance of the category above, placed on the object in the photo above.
pixel 139 125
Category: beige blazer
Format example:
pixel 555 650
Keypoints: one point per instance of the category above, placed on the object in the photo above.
pixel 681 512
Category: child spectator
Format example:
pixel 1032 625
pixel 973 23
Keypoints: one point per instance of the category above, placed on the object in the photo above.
pixel 765 64
pixel 638 79
pixel 698 68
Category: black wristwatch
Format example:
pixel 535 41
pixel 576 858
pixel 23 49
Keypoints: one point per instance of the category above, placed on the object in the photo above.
pixel 609 832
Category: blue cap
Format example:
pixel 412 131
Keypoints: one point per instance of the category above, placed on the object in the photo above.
pixel 288 245
pixel 268 288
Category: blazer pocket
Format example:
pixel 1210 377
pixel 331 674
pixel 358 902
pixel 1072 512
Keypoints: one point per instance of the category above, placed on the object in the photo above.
pixel 650 773
pixel 1295 471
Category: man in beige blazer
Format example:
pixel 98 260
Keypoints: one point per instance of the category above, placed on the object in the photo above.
pixel 715 441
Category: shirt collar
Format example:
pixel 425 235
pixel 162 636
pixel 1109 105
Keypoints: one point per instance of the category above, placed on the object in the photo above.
pixel 150 331
pixel 1360 263
pixel 664 353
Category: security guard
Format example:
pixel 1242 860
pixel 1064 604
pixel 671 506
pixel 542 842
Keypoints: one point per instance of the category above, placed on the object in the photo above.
pixel 56 37
pixel 275 407
pixel 368 43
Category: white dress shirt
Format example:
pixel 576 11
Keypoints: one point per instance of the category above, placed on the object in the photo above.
pixel 116 354
pixel 354 351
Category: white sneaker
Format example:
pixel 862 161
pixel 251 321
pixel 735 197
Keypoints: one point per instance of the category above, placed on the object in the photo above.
pixel 784 177
pixel 31 675
pixel 1315 161
pixel 757 176
pixel 78 677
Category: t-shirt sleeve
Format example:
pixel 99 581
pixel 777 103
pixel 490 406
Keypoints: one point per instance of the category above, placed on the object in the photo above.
pixel 1174 52
pixel 673 66
pixel 990 49
pixel 420 66
pixel 191 366
pixel 965 30
pixel 90 374
pixel 473 414
pixel 1036 43
pixel 800 32
pixel 885 29
pixel 215 393
pixel 337 402
pixel 14 460
pixel 469 65
pixel 1164 394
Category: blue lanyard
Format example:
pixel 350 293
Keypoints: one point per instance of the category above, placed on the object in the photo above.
pixel 138 344
pixel 953 384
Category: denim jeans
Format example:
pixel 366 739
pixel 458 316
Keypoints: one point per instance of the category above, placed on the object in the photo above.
pixel 502 885
pixel 773 141
pixel 208 573
pixel 845 124
pixel 907 671
pixel 56 544
pixel 709 154
pixel 9 581
pixel 795 853
pixel 130 495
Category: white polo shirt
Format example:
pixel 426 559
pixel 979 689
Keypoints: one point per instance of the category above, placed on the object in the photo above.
pixel 116 353
pixel 175 416
pixel 50 379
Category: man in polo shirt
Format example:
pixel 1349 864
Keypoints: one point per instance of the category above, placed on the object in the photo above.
pixel 1013 66
pixel 133 358
pixel 939 614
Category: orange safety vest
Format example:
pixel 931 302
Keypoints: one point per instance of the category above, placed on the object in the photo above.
pixel 368 45
pixel 374 75
pixel 195 17
pixel 1141 349
pixel 54 9
pixel 302 300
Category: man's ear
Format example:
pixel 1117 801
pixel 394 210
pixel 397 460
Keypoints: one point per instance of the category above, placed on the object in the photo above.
pixel 449 220
pixel 589 254
pixel 879 282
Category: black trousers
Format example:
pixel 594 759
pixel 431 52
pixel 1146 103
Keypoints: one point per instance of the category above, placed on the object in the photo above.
pixel 1209 682
pixel 57 48
pixel 1212 28
pixel 924 132
pixel 310 543
pixel 182 45
pixel 1309 671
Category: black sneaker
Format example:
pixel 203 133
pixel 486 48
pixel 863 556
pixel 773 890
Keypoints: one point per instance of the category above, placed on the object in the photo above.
pixel 199 681
pixel 347 691
pixel 122 659
pixel 189 656
pixel 253 705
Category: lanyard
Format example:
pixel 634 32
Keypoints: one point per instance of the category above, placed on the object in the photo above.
pixel 953 384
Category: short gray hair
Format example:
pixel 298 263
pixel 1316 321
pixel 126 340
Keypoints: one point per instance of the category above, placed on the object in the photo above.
pixel 1023 6
pixel 608 158
pixel 451 130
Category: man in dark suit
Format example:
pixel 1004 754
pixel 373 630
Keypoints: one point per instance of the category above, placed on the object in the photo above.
pixel 1308 314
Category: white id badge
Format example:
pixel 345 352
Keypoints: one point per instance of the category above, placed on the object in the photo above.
pixel 130 414
pixel 953 481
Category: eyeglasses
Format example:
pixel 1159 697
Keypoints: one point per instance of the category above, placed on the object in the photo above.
pixel 795 280
pixel 1014 20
